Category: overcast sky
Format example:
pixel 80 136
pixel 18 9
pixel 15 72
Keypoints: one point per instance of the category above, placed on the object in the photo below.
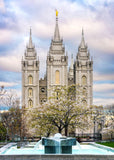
pixel 96 17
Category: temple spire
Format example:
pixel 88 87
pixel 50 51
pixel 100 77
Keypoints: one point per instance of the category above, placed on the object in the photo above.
pixel 30 40
pixel 82 32
pixel 82 44
pixel 72 62
pixel 56 34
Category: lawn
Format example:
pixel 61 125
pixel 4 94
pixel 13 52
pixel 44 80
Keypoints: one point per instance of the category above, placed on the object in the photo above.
pixel 109 144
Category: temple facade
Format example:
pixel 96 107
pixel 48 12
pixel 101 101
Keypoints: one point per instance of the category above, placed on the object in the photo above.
pixel 36 91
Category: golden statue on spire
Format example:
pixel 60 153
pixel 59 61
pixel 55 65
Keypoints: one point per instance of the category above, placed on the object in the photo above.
pixel 56 13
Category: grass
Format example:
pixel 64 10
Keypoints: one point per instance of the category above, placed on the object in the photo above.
pixel 109 144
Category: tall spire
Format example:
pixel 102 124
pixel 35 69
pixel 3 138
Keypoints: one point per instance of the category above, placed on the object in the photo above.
pixel 30 40
pixel 82 44
pixel 72 62
pixel 56 34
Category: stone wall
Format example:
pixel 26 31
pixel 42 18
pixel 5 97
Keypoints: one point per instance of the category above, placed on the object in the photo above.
pixel 42 90
pixel 56 157
pixel 107 136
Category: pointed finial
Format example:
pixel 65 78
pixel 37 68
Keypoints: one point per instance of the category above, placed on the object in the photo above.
pixel 56 34
pixel 82 44
pixel 72 62
pixel 30 39
pixel 82 32
pixel 56 13
pixel 30 32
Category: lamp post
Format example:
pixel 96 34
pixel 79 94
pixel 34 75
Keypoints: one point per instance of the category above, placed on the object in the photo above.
pixel 12 128
pixel 6 134
pixel 94 127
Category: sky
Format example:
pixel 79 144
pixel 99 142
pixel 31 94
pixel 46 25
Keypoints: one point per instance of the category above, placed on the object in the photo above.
pixel 96 17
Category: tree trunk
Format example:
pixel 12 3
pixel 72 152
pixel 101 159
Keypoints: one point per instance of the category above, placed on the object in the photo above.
pixel 66 130
pixel 48 134
pixel 59 130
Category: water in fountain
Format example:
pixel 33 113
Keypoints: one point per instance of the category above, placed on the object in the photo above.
pixel 57 136
pixel 59 147
pixel 78 144
pixel 38 144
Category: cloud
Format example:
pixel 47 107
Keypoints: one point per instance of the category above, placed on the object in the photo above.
pixel 8 84
pixel 103 77
pixel 101 101
pixel 2 6
pixel 72 16
pixel 103 93
pixel 6 36
pixel 12 63
pixel 103 87
pixel 6 76
pixel 10 59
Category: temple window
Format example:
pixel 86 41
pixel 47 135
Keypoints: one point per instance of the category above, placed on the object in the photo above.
pixel 84 92
pixel 30 79
pixel 30 103
pixel 30 92
pixel 57 77
pixel 84 102
pixel 84 80
pixel 42 89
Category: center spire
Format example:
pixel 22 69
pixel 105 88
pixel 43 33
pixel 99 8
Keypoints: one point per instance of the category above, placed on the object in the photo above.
pixel 56 34
pixel 30 40
pixel 82 44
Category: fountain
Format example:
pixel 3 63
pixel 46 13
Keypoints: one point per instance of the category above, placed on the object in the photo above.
pixel 55 148
pixel 58 144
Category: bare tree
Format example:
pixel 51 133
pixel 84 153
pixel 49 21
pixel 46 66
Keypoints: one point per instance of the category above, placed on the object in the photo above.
pixel 14 122
pixel 10 98
pixel 2 93
pixel 13 119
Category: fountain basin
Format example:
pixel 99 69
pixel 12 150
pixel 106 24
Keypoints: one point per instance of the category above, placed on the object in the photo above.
pixel 56 157
pixel 87 152
pixel 55 148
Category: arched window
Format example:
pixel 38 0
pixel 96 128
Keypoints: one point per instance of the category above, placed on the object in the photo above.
pixel 84 92
pixel 42 89
pixel 30 103
pixel 57 77
pixel 84 80
pixel 84 102
pixel 30 92
pixel 30 79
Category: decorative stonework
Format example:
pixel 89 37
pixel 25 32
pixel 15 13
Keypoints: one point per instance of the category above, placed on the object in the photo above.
pixel 84 72
pixel 30 76
pixel 57 61
pixel 80 72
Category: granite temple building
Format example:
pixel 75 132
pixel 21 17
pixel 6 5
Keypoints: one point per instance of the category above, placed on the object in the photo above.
pixel 35 91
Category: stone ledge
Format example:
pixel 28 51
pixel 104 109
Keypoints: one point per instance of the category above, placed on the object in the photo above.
pixel 56 157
